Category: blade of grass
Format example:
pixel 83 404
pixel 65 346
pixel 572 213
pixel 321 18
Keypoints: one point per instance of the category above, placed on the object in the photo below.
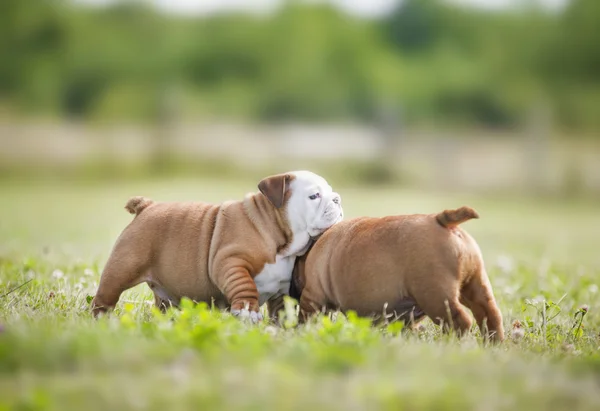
pixel 16 288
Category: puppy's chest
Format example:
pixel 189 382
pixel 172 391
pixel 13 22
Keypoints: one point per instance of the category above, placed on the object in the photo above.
pixel 274 278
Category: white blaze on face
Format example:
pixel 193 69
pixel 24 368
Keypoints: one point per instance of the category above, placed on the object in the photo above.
pixel 313 207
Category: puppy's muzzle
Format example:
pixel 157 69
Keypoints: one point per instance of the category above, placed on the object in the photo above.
pixel 334 208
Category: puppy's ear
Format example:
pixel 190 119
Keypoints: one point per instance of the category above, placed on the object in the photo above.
pixel 274 188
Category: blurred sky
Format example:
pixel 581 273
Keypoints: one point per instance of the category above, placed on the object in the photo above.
pixel 367 8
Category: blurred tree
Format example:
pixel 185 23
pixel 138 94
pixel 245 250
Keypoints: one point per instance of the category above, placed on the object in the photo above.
pixel 415 25
pixel 32 38
pixel 580 46
pixel 571 65
pixel 435 59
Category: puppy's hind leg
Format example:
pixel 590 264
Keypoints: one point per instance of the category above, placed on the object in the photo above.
pixel 442 305
pixel 124 269
pixel 477 295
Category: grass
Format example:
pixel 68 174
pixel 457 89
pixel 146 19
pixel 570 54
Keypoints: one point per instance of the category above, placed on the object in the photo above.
pixel 541 256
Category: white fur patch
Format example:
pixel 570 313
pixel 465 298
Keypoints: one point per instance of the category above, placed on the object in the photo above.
pixel 308 218
pixel 274 278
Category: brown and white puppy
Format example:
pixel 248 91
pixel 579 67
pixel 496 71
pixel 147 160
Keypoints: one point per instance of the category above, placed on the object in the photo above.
pixel 416 264
pixel 239 254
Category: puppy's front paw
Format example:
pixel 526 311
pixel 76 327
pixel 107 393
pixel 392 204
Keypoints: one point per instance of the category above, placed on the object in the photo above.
pixel 245 314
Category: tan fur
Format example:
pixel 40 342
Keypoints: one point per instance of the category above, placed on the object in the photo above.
pixel 410 262
pixel 136 205
pixel 205 252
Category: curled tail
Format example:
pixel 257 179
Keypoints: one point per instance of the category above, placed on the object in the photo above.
pixel 136 205
pixel 452 218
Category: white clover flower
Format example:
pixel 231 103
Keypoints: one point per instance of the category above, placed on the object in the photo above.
pixel 517 334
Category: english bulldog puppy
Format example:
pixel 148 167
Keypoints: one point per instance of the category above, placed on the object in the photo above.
pixel 238 254
pixel 419 265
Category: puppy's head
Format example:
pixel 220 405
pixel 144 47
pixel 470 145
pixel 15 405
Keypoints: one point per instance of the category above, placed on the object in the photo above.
pixel 310 203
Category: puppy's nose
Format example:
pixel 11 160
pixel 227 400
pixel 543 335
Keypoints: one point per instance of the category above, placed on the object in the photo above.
pixel 337 199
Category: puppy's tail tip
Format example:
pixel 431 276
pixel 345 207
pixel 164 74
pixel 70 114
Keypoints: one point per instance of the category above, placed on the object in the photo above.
pixel 136 205
pixel 452 218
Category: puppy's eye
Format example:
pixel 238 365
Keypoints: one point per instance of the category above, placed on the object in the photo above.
pixel 315 196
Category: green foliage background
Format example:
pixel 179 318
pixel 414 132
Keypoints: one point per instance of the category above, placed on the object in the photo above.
pixel 429 61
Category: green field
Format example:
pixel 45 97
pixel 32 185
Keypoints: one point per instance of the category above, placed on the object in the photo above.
pixel 542 257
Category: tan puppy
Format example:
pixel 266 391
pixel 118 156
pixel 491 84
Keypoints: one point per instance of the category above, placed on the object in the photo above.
pixel 238 254
pixel 417 264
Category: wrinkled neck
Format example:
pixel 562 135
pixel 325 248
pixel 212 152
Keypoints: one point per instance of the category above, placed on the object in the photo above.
pixel 269 220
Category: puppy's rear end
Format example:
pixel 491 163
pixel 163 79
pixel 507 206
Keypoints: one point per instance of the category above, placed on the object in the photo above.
pixel 475 288
pixel 363 263
pixel 126 262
